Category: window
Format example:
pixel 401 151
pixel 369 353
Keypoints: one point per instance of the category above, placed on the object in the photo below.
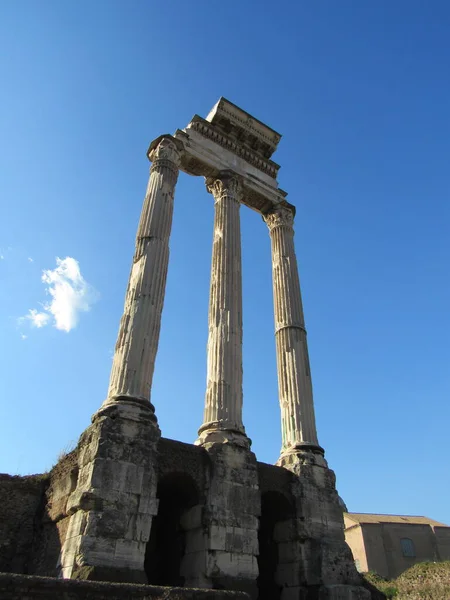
pixel 407 547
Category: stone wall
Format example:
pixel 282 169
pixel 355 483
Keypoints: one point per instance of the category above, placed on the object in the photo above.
pixel 53 519
pixel 46 588
pixel 383 551
pixel 187 533
pixel 34 520
pixel 442 542
pixel 21 499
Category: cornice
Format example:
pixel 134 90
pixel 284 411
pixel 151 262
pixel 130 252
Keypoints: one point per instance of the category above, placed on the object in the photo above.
pixel 209 131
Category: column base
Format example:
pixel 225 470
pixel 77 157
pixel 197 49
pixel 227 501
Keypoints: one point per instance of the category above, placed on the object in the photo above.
pixel 214 433
pixel 317 562
pixel 114 499
pixel 230 520
pixel 146 408
pixel 302 453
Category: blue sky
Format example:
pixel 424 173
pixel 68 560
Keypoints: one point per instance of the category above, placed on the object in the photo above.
pixel 360 92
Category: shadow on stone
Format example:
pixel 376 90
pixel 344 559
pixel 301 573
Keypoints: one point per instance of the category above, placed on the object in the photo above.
pixel 166 548
pixel 275 508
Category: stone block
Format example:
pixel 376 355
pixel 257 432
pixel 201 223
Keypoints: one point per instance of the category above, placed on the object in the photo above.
pixel 195 540
pixel 130 429
pixel 108 523
pixel 62 527
pixel 289 575
pixel 148 504
pixel 231 565
pixel 109 475
pixel 193 565
pixel 77 524
pixel 192 518
pixel 216 537
pixel 143 526
pixel 97 551
pixel 285 531
pixel 216 515
pixel 88 452
pixel 57 508
pixel 66 572
pixel 84 500
pixel 233 539
pixel 129 554
pixel 235 497
pixel 245 475
pixel 133 478
pixel 69 552
pixel 242 540
pixel 85 477
pixel 289 552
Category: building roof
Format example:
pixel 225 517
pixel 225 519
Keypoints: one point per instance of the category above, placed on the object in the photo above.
pixel 364 518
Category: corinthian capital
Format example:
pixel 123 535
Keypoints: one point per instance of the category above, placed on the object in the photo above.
pixel 279 217
pixel 165 150
pixel 227 183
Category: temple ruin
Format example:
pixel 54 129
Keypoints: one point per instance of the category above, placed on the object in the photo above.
pixel 131 506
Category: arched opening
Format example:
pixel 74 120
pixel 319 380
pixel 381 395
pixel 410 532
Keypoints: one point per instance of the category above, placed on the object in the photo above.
pixel 166 547
pixel 275 508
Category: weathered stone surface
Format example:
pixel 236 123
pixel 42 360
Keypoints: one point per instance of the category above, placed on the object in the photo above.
pixel 298 426
pixel 309 544
pixel 114 501
pixel 230 519
pixel 231 139
pixel 223 403
pixel 124 498
pixel 137 342
pixel 20 501
pixel 26 587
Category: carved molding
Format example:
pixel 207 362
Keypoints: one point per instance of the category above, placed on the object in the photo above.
pixel 166 150
pixel 212 133
pixel 226 184
pixel 280 217
pixel 248 123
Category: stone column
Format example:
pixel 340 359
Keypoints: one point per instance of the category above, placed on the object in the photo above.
pixel 226 556
pixel 298 424
pixel 314 552
pixel 113 500
pixel 137 342
pixel 223 402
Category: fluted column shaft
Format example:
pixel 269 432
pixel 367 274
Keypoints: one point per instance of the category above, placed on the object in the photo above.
pixel 298 424
pixel 137 342
pixel 223 402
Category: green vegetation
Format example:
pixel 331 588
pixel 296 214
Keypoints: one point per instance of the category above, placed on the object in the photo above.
pixel 388 588
pixel 424 581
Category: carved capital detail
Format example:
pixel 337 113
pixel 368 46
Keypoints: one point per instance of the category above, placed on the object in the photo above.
pixel 226 184
pixel 280 217
pixel 166 150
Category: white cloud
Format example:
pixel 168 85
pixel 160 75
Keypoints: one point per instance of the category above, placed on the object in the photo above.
pixel 70 295
pixel 24 337
pixel 38 319
pixel 30 259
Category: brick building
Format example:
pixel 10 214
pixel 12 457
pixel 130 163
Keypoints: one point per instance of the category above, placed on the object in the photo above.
pixel 390 544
